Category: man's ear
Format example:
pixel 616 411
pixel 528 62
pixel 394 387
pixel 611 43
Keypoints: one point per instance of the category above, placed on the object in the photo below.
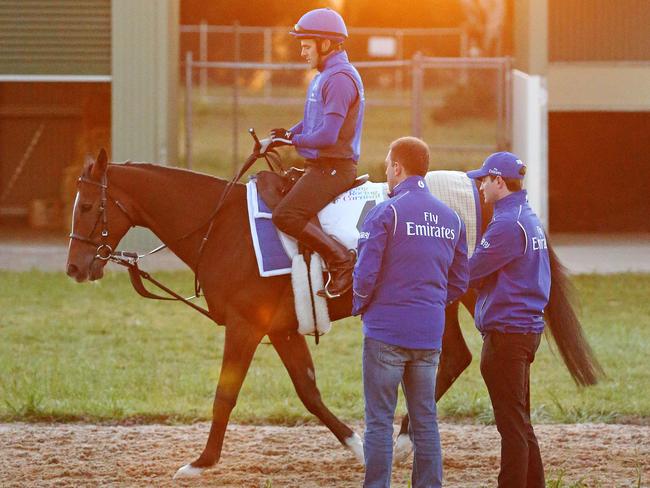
pixel 399 169
pixel 325 45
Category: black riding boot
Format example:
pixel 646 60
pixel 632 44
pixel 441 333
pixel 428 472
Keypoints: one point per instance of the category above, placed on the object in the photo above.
pixel 339 260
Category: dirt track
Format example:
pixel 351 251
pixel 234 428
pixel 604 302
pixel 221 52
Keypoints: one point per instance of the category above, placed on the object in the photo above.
pixel 73 455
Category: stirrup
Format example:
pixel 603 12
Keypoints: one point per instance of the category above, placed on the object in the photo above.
pixel 325 293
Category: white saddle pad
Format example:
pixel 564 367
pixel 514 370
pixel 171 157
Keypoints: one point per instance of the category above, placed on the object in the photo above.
pixel 344 216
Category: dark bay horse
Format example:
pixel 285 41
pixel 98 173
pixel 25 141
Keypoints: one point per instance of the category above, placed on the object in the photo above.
pixel 171 202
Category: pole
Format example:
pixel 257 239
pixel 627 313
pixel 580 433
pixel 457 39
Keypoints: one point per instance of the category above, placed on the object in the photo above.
pixel 416 95
pixel 268 53
pixel 399 78
pixel 235 101
pixel 464 47
pixel 188 109
pixel 203 57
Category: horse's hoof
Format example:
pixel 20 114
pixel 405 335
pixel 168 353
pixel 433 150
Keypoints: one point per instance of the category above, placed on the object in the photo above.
pixel 188 471
pixel 402 449
pixel 355 444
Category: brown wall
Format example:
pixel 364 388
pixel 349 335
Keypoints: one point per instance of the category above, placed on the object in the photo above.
pixel 599 171
pixel 68 112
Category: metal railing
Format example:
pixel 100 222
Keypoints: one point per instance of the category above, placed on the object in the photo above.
pixel 203 30
pixel 417 67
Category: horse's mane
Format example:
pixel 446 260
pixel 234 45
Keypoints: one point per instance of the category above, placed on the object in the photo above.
pixel 177 173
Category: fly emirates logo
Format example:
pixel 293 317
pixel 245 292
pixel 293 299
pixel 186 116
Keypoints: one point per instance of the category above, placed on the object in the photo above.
pixel 430 228
pixel 539 242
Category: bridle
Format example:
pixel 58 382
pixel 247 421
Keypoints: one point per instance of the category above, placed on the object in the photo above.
pixel 104 251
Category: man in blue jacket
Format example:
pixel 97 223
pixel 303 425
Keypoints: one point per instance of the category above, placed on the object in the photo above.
pixel 412 263
pixel 511 270
pixel 328 137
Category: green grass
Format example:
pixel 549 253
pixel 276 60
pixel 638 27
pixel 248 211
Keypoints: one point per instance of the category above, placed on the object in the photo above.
pixel 212 124
pixel 101 353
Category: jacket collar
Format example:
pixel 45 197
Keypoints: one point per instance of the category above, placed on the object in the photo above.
pixel 512 200
pixel 338 57
pixel 412 183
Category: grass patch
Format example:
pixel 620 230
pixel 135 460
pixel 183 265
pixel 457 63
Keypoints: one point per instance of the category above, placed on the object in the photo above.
pixel 101 353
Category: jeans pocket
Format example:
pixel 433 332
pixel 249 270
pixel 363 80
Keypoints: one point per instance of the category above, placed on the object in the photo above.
pixel 426 358
pixel 392 355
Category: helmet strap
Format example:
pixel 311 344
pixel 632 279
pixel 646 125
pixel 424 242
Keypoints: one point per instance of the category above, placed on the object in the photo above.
pixel 334 46
pixel 322 54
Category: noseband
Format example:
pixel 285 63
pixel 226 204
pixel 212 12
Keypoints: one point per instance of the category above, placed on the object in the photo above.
pixel 104 251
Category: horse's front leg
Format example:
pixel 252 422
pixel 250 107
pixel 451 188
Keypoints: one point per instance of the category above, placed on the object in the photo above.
pixel 240 344
pixel 292 349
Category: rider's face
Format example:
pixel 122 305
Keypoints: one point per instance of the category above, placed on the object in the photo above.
pixel 309 51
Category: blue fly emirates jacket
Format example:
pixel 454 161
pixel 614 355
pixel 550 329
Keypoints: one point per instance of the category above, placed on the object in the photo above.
pixel 412 263
pixel 333 116
pixel 511 270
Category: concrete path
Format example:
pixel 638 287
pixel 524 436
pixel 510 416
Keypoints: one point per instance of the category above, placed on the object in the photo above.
pixel 580 253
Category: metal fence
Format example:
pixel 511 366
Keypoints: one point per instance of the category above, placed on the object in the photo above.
pixel 436 94
pixel 269 45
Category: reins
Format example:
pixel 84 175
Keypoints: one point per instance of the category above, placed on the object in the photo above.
pixel 130 259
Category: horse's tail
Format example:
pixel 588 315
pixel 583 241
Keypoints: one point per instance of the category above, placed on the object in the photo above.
pixel 566 329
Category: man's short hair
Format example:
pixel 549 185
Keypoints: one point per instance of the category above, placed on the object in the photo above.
pixel 512 184
pixel 412 153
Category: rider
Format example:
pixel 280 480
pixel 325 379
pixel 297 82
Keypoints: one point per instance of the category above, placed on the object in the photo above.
pixel 328 137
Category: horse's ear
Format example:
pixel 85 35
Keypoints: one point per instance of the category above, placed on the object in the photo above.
pixel 88 165
pixel 99 168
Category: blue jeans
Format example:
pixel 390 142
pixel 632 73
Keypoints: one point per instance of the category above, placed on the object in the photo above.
pixel 384 367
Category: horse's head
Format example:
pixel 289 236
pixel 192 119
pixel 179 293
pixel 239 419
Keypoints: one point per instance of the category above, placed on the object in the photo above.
pixel 99 221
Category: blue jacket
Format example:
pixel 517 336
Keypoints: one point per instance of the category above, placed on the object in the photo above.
pixel 412 263
pixel 511 269
pixel 338 89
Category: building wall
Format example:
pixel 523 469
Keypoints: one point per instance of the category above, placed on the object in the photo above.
pixel 598 30
pixel 598 78
pixel 55 66
pixel 145 80
pixel 599 169
pixel 72 67
pixel 62 37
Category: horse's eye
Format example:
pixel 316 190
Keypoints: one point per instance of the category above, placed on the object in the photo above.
pixel 85 207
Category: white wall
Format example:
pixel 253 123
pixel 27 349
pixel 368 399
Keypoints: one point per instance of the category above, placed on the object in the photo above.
pixel 599 86
pixel 530 137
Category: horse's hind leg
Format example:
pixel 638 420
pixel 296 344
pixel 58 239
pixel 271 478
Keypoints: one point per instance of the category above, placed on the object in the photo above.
pixel 296 357
pixel 240 345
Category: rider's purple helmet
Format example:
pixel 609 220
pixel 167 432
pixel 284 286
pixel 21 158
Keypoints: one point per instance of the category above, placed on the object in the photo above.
pixel 322 23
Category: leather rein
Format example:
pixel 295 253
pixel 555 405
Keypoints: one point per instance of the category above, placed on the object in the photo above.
pixel 104 251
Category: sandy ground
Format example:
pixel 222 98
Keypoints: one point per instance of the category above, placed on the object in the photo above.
pixel 74 455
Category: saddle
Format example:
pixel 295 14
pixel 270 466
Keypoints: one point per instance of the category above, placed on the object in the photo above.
pixel 272 187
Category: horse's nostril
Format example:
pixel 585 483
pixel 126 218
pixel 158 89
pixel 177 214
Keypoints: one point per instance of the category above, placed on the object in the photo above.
pixel 72 270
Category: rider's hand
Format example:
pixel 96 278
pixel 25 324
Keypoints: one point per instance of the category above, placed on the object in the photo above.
pixel 281 137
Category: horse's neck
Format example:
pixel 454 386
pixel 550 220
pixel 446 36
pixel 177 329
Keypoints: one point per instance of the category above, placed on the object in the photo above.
pixel 171 203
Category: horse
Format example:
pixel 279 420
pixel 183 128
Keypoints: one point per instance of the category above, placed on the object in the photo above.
pixel 113 197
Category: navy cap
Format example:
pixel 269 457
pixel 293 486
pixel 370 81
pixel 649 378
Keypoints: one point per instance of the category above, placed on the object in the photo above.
pixel 503 164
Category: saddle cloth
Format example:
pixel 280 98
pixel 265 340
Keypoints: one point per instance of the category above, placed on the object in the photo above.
pixel 344 216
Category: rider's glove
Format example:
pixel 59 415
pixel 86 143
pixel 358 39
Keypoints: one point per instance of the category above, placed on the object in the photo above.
pixel 281 137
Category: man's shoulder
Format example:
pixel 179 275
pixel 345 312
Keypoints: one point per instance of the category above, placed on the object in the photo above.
pixel 504 223
pixel 380 210
pixel 427 201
